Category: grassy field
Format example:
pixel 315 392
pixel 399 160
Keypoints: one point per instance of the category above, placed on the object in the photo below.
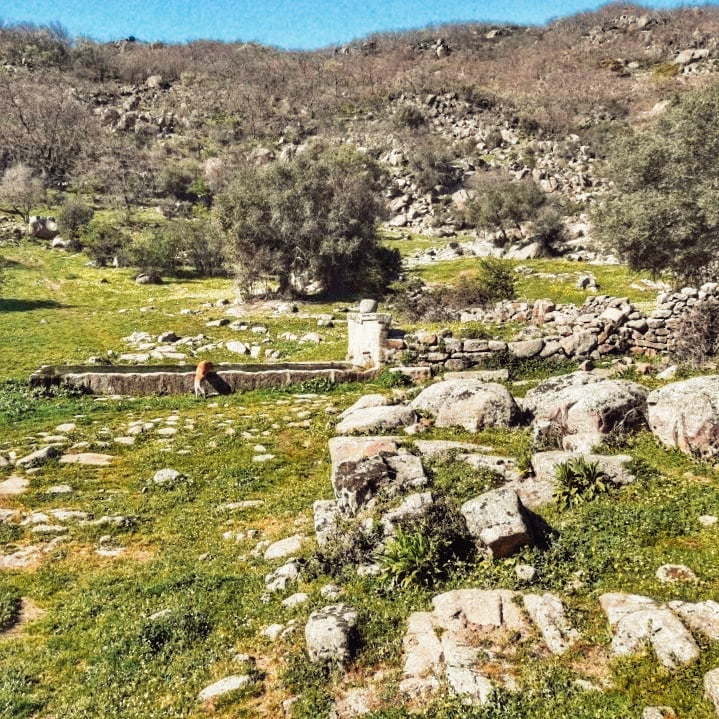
pixel 95 651
pixel 94 644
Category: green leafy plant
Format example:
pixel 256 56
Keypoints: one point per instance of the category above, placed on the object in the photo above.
pixel 412 558
pixel 578 481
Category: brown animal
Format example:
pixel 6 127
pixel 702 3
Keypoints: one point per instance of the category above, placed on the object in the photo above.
pixel 203 369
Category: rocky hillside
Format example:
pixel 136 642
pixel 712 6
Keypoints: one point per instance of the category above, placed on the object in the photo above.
pixel 438 108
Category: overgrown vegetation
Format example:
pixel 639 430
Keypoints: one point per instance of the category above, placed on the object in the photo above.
pixel 579 480
pixel 663 213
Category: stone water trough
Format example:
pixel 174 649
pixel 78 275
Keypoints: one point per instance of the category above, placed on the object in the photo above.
pixel 367 333
pixel 178 379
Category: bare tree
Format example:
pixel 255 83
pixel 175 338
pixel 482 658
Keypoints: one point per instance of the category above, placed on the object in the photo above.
pixel 20 191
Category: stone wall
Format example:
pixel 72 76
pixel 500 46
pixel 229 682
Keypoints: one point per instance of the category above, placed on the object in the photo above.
pixel 601 326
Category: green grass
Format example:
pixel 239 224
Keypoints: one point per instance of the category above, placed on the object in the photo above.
pixel 55 309
pixel 95 652
pixel 614 280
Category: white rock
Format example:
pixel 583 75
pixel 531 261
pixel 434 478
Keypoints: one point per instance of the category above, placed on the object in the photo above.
pixel 224 686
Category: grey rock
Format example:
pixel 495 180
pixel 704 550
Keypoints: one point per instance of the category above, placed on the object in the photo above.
pixel 496 520
pixel 330 634
pixel 373 419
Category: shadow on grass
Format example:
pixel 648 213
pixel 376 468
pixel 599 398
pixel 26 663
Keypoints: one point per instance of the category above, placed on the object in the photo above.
pixel 9 305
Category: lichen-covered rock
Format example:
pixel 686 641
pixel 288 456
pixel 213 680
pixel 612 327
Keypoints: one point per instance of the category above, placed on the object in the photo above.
pixel 685 415
pixel 330 634
pixel 711 687
pixel 496 520
pixel 639 622
pixel 366 401
pixel 468 403
pixel 580 409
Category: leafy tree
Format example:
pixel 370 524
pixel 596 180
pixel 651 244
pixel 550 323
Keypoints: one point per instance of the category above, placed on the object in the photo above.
pixel 20 191
pixel 310 224
pixel 501 203
pixel 663 214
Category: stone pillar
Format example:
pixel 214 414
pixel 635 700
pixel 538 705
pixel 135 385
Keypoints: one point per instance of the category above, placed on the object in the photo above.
pixel 367 338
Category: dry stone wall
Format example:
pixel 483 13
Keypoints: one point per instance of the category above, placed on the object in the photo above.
pixel 601 326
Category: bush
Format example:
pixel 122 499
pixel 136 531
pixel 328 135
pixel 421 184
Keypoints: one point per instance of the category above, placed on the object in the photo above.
pixel 500 203
pixel 492 282
pixel 428 549
pixel 697 336
pixel 72 219
pixel 201 245
pixel 103 244
pixel 431 163
pixel 579 481
pixel 409 116
pixel 157 253
pixel 309 225
pixel 663 213
pixel 20 191
pixel 412 558
pixel 174 630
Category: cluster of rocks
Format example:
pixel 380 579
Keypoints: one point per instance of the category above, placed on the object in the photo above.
pixel 601 326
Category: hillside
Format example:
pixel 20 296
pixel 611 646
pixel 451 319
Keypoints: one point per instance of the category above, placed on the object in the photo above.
pixel 493 495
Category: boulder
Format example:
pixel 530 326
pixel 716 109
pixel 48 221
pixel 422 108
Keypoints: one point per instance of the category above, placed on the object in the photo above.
pixel 148 278
pixel 366 306
pixel 373 419
pixel 326 514
pixel 366 401
pixel 330 634
pixel 581 411
pixel 356 483
pixel 685 415
pixel 496 520
pixel 44 228
pixel 167 477
pixel 471 404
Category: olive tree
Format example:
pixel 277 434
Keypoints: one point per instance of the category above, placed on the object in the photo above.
pixel 308 225
pixel 663 212
pixel 20 191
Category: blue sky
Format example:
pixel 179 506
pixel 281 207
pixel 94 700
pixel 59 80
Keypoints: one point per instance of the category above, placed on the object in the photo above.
pixel 286 23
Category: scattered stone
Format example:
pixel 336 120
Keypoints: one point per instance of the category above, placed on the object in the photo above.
pixel 284 547
pixel 38 457
pixel 330 634
pixel 224 686
pixel 278 580
pixel 708 520
pixel 295 600
pixel 711 687
pixel 167 477
pixel 14 486
pixel 376 418
pixel 672 573
pixel 90 459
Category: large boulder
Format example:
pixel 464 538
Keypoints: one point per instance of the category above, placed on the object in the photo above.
pixel 330 634
pixel 685 415
pixel 580 409
pixel 496 520
pixel 471 404
pixel 44 228
pixel 374 419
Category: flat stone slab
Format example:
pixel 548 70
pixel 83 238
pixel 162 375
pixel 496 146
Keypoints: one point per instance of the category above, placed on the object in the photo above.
pixel 14 486
pixel 469 629
pixel 90 459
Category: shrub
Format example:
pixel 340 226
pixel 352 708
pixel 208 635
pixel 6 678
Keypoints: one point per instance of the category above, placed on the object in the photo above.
pixel 409 116
pixel 72 219
pixel 500 203
pixel 201 244
pixel 412 558
pixel 10 606
pixel 157 253
pixel 20 191
pixel 579 481
pixel 174 630
pixel 103 244
pixel 309 224
pixel 428 549
pixel 663 213
pixel 697 336
pixel 431 163
pixel 460 482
